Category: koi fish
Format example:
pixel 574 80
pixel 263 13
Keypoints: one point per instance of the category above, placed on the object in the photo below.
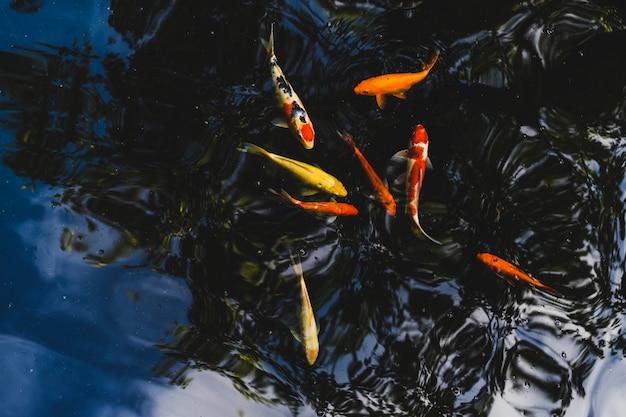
pixel 511 273
pixel 321 207
pixel 381 192
pixel 308 327
pixel 417 158
pixel 295 116
pixel 395 84
pixel 308 174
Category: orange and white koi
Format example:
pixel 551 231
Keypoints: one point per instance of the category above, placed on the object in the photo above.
pixel 393 84
pixel 308 327
pixel 308 174
pixel 321 207
pixel 295 116
pixel 381 192
pixel 512 273
pixel 417 158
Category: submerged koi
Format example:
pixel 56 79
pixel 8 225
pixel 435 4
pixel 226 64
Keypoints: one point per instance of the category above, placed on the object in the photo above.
pixel 321 207
pixel 511 273
pixel 308 327
pixel 294 113
pixel 308 174
pixel 417 158
pixel 381 191
pixel 395 84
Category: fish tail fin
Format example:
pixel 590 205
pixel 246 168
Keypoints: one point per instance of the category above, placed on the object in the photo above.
pixel 432 61
pixel 269 44
pixel 280 194
pixel 284 194
pixel 296 263
pixel 252 148
pixel 346 138
pixel 552 291
pixel 423 232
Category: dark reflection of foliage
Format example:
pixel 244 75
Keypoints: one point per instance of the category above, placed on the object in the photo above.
pixel 528 154
pixel 27 6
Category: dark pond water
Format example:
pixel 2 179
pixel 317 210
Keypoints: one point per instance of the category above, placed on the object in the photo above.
pixel 146 262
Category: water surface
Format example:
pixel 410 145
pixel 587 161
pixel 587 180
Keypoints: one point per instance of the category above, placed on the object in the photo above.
pixel 147 268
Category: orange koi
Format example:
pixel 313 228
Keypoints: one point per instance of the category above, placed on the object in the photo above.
pixel 381 192
pixel 295 116
pixel 307 320
pixel 512 273
pixel 394 84
pixel 417 158
pixel 321 207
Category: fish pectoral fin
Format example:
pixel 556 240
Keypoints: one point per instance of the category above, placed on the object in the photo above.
pixel 296 335
pixel 400 179
pixel 400 156
pixel 429 163
pixel 280 122
pixel 381 99
pixel 307 192
pixel 330 220
pixel 401 94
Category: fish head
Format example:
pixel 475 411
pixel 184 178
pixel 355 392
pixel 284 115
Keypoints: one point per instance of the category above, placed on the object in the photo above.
pixel 363 89
pixel 307 135
pixel 486 258
pixel 419 135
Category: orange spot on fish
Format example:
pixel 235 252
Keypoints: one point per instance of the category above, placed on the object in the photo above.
pixel 307 133
pixel 287 107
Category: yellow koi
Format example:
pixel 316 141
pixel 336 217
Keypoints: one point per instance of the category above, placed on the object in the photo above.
pixel 307 319
pixel 308 174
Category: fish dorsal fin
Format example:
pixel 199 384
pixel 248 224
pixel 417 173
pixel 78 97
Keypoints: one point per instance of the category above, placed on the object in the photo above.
pixel 401 155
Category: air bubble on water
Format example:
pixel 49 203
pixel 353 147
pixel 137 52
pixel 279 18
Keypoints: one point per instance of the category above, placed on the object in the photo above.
pixel 527 384
pixel 563 355
pixel 456 391
pixel 302 252
pixel 64 297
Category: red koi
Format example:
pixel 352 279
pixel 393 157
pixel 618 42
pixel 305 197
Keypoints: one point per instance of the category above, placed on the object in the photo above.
pixel 381 192
pixel 321 207
pixel 512 273
pixel 417 158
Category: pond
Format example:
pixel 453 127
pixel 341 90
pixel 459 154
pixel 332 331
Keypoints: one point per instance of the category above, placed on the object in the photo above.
pixel 151 264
